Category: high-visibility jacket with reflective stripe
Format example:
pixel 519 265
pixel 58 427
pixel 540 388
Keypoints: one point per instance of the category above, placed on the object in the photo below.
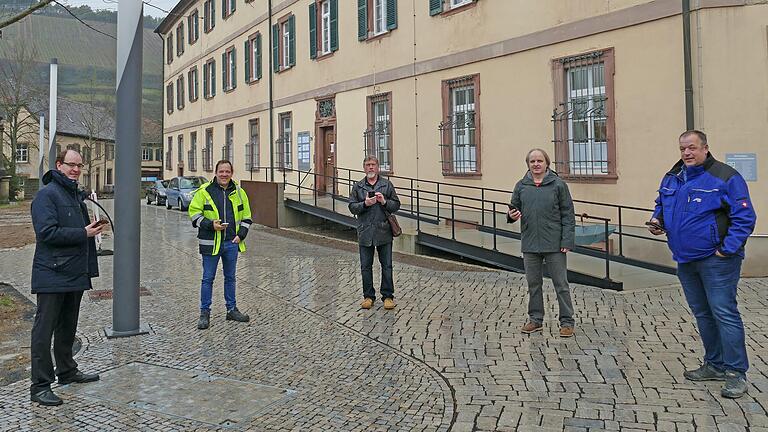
pixel 203 211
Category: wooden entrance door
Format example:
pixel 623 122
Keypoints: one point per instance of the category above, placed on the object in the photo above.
pixel 329 143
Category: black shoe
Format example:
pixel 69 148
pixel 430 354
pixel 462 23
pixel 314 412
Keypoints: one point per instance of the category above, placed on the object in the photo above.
pixel 705 373
pixel 735 385
pixel 79 377
pixel 236 315
pixel 204 321
pixel 47 398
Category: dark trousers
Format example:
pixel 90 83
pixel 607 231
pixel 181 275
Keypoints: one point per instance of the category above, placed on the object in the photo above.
pixel 56 317
pixel 366 268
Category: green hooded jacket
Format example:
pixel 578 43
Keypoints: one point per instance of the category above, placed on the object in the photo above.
pixel 548 221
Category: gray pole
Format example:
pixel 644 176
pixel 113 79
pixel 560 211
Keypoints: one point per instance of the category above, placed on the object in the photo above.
pixel 41 152
pixel 52 114
pixel 125 294
pixel 690 122
pixel 271 99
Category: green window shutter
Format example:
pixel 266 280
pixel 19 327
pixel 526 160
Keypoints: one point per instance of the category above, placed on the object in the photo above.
pixel 362 19
pixel 234 5
pixel 247 50
pixel 292 40
pixel 334 25
pixel 391 14
pixel 312 31
pixel 212 70
pixel 224 71
pixel 233 75
pixel 213 14
pixel 276 47
pixel 258 56
pixel 223 9
pixel 435 7
pixel 205 80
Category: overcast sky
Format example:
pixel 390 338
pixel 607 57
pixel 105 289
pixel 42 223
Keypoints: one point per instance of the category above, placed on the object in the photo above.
pixel 112 5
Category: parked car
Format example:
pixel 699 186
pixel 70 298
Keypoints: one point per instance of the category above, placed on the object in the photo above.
pixel 156 192
pixel 180 191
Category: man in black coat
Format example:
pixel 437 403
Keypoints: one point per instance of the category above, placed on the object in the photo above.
pixel 65 262
pixel 372 200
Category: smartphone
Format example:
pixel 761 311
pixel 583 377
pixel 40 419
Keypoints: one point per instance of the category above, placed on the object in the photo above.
pixel 371 194
pixel 224 224
pixel 655 225
pixel 511 207
pixel 100 222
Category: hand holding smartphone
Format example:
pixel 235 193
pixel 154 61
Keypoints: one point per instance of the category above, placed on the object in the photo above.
pixel 100 222
pixel 371 194
pixel 653 225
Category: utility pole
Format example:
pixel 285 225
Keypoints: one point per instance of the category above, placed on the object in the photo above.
pixel 127 258
pixel 53 98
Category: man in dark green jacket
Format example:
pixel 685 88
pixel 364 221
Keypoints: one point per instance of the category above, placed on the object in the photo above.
pixel 542 202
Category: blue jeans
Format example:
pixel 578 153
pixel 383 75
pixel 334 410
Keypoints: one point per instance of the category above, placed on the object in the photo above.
pixel 228 254
pixel 366 269
pixel 710 288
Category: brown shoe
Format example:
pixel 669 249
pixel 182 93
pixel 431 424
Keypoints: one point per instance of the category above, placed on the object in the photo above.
pixel 530 327
pixel 389 304
pixel 566 332
pixel 367 303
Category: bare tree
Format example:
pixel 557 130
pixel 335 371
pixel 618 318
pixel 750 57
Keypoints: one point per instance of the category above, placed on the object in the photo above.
pixel 97 119
pixel 18 127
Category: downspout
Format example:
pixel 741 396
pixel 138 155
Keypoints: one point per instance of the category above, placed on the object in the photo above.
pixel 689 113
pixel 271 99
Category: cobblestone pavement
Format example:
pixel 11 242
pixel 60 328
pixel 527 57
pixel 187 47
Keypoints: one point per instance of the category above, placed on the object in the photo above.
pixel 450 357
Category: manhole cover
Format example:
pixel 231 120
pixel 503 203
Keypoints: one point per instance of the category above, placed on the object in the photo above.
pixel 191 395
pixel 106 294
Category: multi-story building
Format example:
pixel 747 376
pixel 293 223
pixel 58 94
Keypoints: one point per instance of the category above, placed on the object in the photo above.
pixel 460 90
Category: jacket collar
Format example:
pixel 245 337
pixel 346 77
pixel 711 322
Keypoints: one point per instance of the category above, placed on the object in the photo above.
pixel 364 182
pixel 679 167
pixel 213 185
pixel 57 177
pixel 548 178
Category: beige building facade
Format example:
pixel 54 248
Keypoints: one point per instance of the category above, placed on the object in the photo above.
pixel 457 91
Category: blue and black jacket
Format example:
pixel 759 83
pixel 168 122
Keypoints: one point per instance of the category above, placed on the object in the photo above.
pixel 704 209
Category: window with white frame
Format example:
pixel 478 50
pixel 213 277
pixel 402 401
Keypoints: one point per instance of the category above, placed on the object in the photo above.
pixel 180 39
pixel 22 152
pixel 381 134
pixel 286 43
pixel 146 154
pixel 192 153
pixel 180 92
pixel 303 152
pixel 169 98
pixel 284 148
pixel 193 83
pixel 457 3
pixel 253 58
pixel 193 26
pixel 325 26
pixel 208 150
pixel 463 113
pixel 379 16
pixel 228 8
pixel 252 151
pixel 159 154
pixel 209 79
pixel 209 15
pixel 180 149
pixel 227 151
pixel 587 119
pixel 229 80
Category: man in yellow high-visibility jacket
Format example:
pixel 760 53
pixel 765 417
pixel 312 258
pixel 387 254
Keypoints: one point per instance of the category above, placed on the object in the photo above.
pixel 220 212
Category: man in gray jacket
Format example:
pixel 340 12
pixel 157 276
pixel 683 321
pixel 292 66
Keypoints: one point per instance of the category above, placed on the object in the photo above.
pixel 372 200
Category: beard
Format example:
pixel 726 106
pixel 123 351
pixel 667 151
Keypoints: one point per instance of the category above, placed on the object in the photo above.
pixel 370 175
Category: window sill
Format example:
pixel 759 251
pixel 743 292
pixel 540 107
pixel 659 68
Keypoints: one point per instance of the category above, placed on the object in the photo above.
pixel 253 81
pixel 375 37
pixel 458 9
pixel 323 56
pixel 462 175
pixel 283 69
pixel 230 90
pixel 209 97
pixel 603 179
pixel 193 100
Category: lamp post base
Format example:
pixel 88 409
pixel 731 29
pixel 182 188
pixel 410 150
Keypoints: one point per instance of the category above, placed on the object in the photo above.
pixel 112 334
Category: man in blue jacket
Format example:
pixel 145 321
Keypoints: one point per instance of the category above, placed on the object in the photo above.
pixel 704 208
pixel 64 263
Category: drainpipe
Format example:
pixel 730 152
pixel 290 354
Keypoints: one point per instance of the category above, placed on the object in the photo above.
pixel 271 99
pixel 689 113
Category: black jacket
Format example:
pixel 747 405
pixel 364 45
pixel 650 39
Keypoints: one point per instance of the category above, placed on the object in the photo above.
pixel 372 226
pixel 548 222
pixel 65 257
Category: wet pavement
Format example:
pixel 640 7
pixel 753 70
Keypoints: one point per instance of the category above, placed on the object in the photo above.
pixel 450 357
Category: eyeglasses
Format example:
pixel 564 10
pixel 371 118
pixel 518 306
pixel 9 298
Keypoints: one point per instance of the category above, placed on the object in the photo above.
pixel 72 164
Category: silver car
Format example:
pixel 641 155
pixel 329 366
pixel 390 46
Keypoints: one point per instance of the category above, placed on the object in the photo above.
pixel 181 190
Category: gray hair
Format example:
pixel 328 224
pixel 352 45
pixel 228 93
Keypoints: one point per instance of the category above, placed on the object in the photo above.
pixel 371 158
